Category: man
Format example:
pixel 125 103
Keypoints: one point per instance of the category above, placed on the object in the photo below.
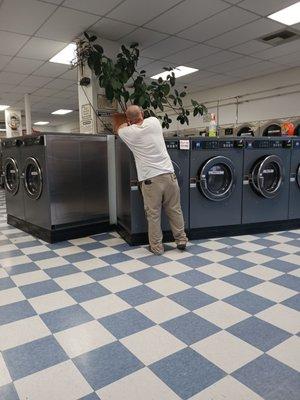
pixel 159 185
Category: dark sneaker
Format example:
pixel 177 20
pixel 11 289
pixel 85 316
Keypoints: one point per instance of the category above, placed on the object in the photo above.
pixel 181 246
pixel 156 252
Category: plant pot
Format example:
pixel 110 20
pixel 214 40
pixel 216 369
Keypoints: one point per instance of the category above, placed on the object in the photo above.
pixel 117 120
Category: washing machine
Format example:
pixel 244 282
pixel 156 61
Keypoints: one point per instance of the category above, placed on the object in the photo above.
pixel 271 128
pixel 294 205
pixel 64 186
pixel 216 167
pixel 131 218
pixel 12 176
pixel 266 179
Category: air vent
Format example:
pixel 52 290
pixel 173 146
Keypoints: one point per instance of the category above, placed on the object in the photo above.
pixel 281 37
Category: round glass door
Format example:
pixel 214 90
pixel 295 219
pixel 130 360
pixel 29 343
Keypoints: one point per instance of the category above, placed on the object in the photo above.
pixel 267 176
pixel 11 176
pixel 298 175
pixel 216 178
pixel 33 179
pixel 178 173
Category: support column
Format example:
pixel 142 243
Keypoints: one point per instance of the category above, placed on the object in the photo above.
pixel 28 114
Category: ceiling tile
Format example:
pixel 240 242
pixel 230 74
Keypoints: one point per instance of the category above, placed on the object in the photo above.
pixel 155 67
pixel 35 82
pixel 234 64
pixel 281 50
pixel 24 16
pixel 45 92
pixel 9 97
pixel 58 84
pixel 23 65
pixel 144 37
pixel 93 6
pixel 110 29
pixel 21 90
pixel 233 1
pixel 253 46
pixel 186 14
pixel 166 47
pixel 245 33
pixel 11 77
pixel 10 43
pixel 194 78
pixel 66 24
pixel 193 53
pixel 4 60
pixel 138 12
pixel 265 7
pixel 220 23
pixel 262 68
pixel 57 2
pixel 49 69
pixel 215 59
pixel 5 87
pixel 292 59
pixel 71 75
pixel 41 49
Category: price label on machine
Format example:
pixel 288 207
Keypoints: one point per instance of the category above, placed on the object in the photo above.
pixel 184 144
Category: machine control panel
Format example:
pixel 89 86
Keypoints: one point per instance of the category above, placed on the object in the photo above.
pixel 172 144
pixel 12 143
pixel 285 144
pixel 36 140
pixel 205 144
pixel 258 144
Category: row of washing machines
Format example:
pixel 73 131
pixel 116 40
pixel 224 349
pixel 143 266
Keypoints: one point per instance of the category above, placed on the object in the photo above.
pixel 56 185
pixel 227 186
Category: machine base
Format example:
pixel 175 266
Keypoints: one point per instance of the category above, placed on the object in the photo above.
pixel 214 232
pixel 60 234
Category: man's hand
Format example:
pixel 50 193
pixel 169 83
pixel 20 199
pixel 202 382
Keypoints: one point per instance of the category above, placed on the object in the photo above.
pixel 120 127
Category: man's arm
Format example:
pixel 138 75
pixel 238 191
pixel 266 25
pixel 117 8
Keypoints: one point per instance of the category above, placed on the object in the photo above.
pixel 120 127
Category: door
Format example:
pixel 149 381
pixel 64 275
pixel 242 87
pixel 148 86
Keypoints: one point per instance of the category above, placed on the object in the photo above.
pixel 298 176
pixel 216 178
pixel 267 176
pixel 11 176
pixel 33 179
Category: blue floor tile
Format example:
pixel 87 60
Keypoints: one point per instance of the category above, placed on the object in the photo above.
pixel 270 379
pixel 59 245
pixel 193 277
pixel 293 302
pixel 39 288
pixel 64 270
pixel 88 292
pixel 126 323
pixel 264 242
pixel 65 318
pixel 33 357
pixel 187 372
pixel 100 274
pixel 139 295
pixel 91 396
pixel 249 302
pixel 259 333
pixel 10 254
pixel 154 260
pixel 43 256
pixel 103 236
pixel 242 280
pixel 289 281
pixel 83 256
pixel 107 364
pixel 6 283
pixel 190 328
pixel 196 249
pixel 280 265
pixel 21 269
pixel 192 298
pixel 230 241
pixel 194 261
pixel 25 245
pixel 272 253
pixel 147 275
pixel 115 258
pixel 234 251
pixel 15 311
pixel 8 392
pixel 237 263
pixel 91 246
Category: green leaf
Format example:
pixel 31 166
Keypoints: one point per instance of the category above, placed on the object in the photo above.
pixel 160 80
pixel 86 35
pixel 109 92
pixel 93 38
pixel 98 48
pixel 195 112
pixel 134 45
pixel 182 94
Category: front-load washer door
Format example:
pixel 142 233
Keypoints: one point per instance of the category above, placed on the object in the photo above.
pixel 267 176
pixel 298 175
pixel 178 173
pixel 216 178
pixel 11 176
pixel 33 179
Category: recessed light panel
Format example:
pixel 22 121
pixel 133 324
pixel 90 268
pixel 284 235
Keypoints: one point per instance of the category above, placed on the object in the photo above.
pixel 178 72
pixel 3 107
pixel 288 16
pixel 61 112
pixel 66 55
pixel 41 123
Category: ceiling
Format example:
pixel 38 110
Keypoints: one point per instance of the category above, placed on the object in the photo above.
pixel 217 36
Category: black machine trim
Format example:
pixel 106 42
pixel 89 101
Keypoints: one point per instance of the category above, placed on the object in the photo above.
pixel 10 164
pixel 267 165
pixel 298 175
pixel 227 167
pixel 36 191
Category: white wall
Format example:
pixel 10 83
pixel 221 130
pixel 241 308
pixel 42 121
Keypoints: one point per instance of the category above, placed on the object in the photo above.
pixel 277 87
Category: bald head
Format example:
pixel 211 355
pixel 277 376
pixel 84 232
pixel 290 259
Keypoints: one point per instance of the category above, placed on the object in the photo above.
pixel 134 114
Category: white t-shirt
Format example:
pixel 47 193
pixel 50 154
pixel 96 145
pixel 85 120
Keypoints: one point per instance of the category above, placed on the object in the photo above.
pixel 147 144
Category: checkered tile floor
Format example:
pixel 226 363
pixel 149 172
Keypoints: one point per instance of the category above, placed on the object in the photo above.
pixel 94 318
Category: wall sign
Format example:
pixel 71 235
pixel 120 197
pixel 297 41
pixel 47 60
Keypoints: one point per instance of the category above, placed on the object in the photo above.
pixel 13 123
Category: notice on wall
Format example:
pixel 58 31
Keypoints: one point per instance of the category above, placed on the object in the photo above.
pixel 13 122
pixel 86 120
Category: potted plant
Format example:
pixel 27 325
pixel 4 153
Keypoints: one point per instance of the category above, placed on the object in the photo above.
pixel 123 82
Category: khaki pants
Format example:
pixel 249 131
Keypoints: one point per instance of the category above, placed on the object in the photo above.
pixel 163 191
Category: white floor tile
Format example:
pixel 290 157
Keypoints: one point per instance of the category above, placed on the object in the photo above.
pixel 35 250
pixel 28 278
pixel 106 305
pixel 288 352
pixel 51 262
pixel 218 289
pixel 68 251
pixel 262 272
pixel 272 291
pixel 216 270
pixel 11 295
pixel 88 265
pixel 12 261
pixel 5 378
pixel 172 268
pixel 103 251
pixel 119 283
pixel 283 317
pixel 52 301
pixel 255 258
pixel 73 280
pixel 168 285
pixel 161 310
pixel 130 266
pixel 215 256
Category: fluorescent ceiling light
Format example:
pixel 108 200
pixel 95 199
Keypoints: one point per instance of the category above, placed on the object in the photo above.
pixel 66 55
pixel 288 16
pixel 2 107
pixel 178 71
pixel 2 130
pixel 41 123
pixel 61 112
